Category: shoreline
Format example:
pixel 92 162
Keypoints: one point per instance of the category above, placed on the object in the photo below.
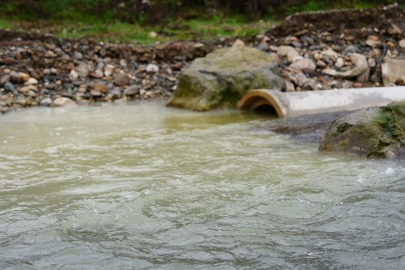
pixel 41 70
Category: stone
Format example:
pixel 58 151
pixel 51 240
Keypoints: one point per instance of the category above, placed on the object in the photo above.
pixel 360 66
pixel 46 102
pixel 321 64
pixel 73 75
pixel 394 29
pixel 309 85
pixel 97 74
pixel 263 45
pixel 31 81
pixel 363 77
pixel 123 63
pixel 305 65
pixel 116 93
pixel 221 78
pixel 24 76
pixel 15 77
pixel 82 88
pixel 373 37
pixel 284 50
pixel 78 55
pixel 301 78
pixel 339 63
pixel 152 68
pixel 350 49
pixel 393 71
pixel 9 87
pixel 4 79
pixel 107 72
pixel 99 87
pixel 153 34
pixel 120 79
pixel 132 90
pixel 372 62
pixel 291 55
pixel 21 102
pixel 64 102
pixel 288 86
pixel 298 58
pixel 402 43
pixel 95 93
pixel 331 54
pixel 347 84
pixel 373 43
pixel 372 133
pixel 82 70
pixel 25 90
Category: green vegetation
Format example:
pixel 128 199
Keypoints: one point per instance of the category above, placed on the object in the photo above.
pixel 122 32
pixel 133 20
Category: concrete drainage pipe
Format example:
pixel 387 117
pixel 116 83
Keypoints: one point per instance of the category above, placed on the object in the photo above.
pixel 291 104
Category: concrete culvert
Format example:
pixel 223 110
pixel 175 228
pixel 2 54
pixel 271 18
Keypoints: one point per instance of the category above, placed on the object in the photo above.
pixel 262 101
pixel 291 104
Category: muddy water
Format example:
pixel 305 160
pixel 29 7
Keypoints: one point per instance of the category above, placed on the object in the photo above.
pixel 147 187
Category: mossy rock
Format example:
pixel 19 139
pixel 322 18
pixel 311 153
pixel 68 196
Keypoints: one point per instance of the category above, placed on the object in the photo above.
pixel 220 79
pixel 374 133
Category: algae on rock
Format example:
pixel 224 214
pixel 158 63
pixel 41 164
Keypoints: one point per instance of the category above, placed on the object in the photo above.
pixel 221 78
pixel 375 132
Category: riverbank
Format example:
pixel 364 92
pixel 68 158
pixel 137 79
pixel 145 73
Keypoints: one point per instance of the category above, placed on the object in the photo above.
pixel 315 51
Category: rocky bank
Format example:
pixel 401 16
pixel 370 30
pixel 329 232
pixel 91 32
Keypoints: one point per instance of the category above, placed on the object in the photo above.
pixel 313 51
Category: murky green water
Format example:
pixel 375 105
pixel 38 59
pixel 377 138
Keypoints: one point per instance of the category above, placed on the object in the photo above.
pixel 146 187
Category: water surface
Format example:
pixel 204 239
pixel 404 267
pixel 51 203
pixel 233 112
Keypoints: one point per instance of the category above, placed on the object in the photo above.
pixel 149 187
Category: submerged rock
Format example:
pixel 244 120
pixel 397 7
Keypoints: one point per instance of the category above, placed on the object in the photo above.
pixel 221 78
pixel 375 133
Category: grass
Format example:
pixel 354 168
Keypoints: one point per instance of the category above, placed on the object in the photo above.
pixel 118 32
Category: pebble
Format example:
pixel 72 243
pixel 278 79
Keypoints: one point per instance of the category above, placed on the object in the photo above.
pixel 289 87
pixel 305 65
pixel 132 90
pixel 15 77
pixel 63 102
pixel 340 63
pixel 152 68
pixel 4 79
pixel 301 78
pixel 284 50
pixel 46 102
pixel 24 76
pixel 9 87
pixel 31 81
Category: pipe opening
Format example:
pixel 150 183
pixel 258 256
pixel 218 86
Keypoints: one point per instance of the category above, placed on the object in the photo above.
pixel 265 109
pixel 262 102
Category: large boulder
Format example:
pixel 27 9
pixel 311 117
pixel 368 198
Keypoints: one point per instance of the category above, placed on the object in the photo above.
pixel 221 78
pixel 374 132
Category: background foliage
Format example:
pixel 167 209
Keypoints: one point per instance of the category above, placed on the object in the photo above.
pixel 158 11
